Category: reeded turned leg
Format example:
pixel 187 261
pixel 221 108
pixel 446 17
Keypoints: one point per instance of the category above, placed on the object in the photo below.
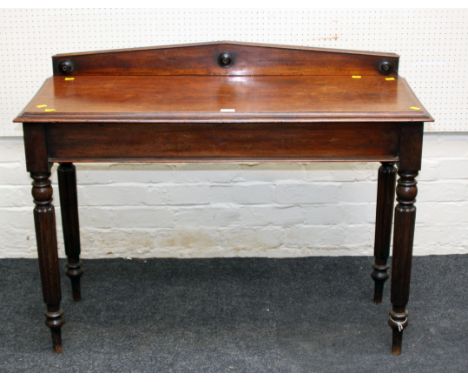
pixel 383 226
pixel 44 218
pixel 405 215
pixel 70 224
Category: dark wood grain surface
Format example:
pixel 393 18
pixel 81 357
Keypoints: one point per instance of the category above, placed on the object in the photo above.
pixel 247 59
pixel 219 98
pixel 213 142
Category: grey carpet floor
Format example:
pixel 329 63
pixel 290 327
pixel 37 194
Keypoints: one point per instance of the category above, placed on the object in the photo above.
pixel 236 315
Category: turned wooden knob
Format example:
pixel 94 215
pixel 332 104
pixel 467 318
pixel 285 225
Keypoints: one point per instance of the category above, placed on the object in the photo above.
pixel 225 59
pixel 66 67
pixel 385 67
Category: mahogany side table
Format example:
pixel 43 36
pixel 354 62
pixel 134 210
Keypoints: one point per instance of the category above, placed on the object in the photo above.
pixel 225 101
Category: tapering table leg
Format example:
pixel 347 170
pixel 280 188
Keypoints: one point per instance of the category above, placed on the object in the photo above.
pixel 46 236
pixel 383 226
pixel 70 225
pixel 405 216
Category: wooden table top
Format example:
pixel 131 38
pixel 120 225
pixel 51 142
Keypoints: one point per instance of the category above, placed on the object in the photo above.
pixel 260 83
pixel 223 98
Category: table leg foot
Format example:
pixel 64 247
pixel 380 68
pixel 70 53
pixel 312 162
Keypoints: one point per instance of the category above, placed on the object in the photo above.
pixel 74 272
pixel 397 338
pixel 56 333
pixel 398 322
pixel 380 275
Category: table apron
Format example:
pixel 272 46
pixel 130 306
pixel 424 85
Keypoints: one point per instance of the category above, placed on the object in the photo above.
pixel 127 142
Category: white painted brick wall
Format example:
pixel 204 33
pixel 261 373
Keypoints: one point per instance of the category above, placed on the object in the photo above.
pixel 205 210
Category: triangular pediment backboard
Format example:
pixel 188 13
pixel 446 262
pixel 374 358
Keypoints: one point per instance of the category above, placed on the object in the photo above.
pixel 226 59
